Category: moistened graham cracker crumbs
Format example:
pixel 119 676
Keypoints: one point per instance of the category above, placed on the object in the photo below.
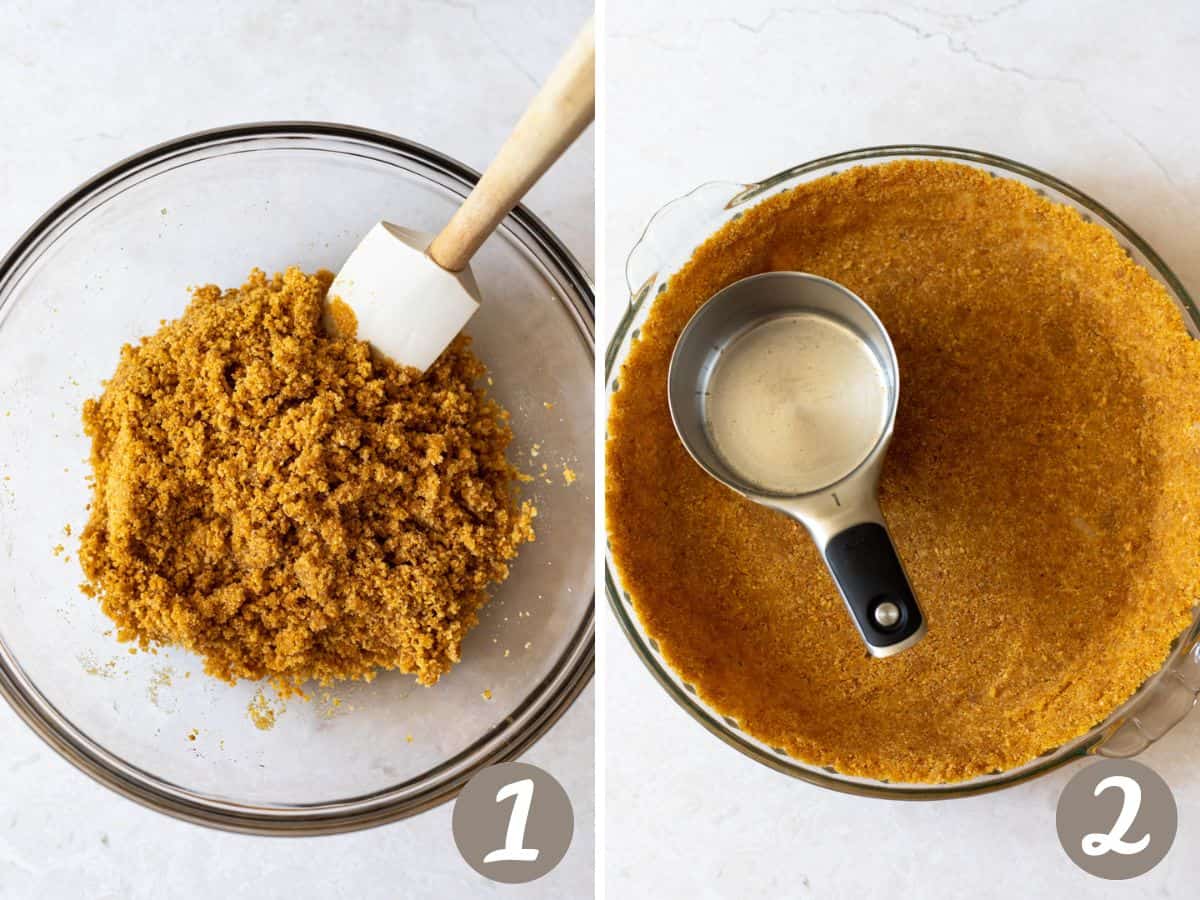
pixel 1042 486
pixel 287 506
pixel 340 319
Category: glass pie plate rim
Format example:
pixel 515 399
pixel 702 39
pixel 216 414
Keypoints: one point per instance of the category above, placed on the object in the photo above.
pixel 1159 703
pixel 548 701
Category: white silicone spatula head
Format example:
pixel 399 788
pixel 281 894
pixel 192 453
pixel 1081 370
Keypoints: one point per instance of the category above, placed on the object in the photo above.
pixel 404 303
pixel 410 293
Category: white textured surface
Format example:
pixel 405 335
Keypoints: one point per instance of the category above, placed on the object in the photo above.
pixel 1102 94
pixel 86 84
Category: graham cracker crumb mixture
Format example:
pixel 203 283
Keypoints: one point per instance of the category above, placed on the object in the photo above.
pixel 287 506
pixel 1042 487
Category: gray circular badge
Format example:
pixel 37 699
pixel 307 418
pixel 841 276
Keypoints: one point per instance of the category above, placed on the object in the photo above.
pixel 513 822
pixel 1117 819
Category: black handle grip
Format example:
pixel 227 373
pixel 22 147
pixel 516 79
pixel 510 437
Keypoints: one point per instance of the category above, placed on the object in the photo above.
pixel 867 570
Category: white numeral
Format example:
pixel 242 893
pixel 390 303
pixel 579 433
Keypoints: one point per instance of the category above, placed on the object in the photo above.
pixel 514 849
pixel 1099 843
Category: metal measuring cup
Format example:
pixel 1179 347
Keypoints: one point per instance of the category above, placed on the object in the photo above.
pixel 843 518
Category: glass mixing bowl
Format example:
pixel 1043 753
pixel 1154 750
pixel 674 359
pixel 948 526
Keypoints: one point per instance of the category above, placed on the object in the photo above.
pixel 102 268
pixel 668 242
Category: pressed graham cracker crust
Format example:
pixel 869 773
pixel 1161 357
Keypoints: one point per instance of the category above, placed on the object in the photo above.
pixel 1043 485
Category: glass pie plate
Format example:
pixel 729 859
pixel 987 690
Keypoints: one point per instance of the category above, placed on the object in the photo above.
pixel 668 242
pixel 102 268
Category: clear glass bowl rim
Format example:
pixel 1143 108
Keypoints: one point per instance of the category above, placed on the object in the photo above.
pixel 1092 742
pixel 537 713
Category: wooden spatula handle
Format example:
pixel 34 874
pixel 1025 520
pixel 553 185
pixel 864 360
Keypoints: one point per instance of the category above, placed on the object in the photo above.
pixel 559 113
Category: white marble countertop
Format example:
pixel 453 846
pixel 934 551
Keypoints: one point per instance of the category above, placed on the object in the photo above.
pixel 86 84
pixel 1101 94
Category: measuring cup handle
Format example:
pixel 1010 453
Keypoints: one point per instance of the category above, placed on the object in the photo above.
pixel 872 581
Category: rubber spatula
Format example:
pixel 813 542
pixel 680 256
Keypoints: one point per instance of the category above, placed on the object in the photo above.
pixel 410 293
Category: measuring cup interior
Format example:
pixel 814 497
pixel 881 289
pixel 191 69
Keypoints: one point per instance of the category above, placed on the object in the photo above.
pixel 727 317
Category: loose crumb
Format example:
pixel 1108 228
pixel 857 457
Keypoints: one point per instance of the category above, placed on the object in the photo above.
pixel 93 667
pixel 331 705
pixel 161 678
pixel 263 711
